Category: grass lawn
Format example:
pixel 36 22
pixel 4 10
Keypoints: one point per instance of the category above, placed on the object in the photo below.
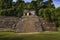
pixel 30 36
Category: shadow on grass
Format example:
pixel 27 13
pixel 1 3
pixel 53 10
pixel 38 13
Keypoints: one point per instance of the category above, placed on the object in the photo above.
pixel 11 38
pixel 40 36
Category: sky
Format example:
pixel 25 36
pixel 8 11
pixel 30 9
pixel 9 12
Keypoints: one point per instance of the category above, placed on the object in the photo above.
pixel 56 2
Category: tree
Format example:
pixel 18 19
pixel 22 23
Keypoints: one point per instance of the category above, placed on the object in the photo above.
pixel 48 4
pixel 47 11
pixel 57 16
pixel 6 4
pixel 37 5
pixel 47 14
pixel 19 7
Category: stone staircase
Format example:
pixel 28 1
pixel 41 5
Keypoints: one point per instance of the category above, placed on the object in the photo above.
pixel 34 24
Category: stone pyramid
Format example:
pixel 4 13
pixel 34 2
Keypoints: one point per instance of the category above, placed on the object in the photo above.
pixel 29 22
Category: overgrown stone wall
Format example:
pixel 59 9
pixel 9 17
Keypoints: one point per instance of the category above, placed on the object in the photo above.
pixel 26 24
pixel 34 24
pixel 8 22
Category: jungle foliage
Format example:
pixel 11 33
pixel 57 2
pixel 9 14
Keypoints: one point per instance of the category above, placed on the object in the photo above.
pixel 43 9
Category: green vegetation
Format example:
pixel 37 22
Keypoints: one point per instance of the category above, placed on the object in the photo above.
pixel 6 29
pixel 43 9
pixel 57 16
pixel 36 36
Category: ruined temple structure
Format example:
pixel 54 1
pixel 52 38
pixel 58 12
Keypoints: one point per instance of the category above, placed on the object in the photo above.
pixel 29 22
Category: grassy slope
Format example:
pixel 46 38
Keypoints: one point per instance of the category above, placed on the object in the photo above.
pixel 37 36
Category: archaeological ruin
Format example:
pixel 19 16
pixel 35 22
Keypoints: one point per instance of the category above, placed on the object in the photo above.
pixel 29 22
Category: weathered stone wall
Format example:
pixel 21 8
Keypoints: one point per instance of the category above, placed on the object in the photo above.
pixel 34 24
pixel 48 26
pixel 8 22
pixel 28 24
